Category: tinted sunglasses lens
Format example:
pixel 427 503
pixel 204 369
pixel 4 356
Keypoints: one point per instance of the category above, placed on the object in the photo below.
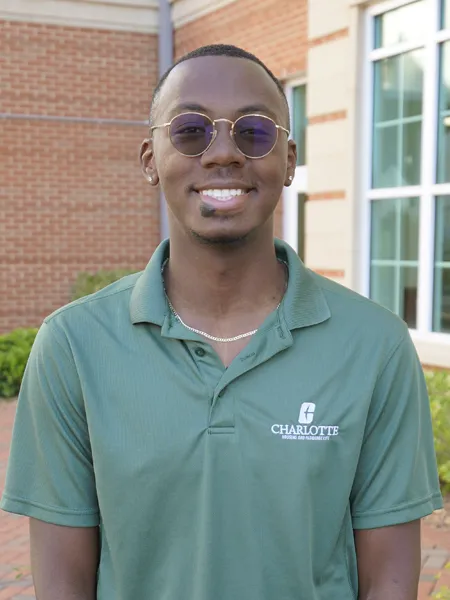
pixel 191 134
pixel 255 136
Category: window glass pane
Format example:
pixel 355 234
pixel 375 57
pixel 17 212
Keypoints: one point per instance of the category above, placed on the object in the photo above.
pixel 397 136
pixel 441 317
pixel 444 117
pixel 386 170
pixel 394 255
pixel 442 300
pixel 408 277
pixel 383 229
pixel 383 286
pixel 387 89
pixel 409 229
pixel 401 25
pixel 395 229
pixel 446 14
pixel 412 152
pixel 413 67
pixel 443 229
pixel 299 123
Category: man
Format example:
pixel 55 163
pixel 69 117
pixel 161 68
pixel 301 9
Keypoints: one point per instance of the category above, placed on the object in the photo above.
pixel 226 425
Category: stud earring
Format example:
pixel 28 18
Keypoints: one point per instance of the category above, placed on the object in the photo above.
pixel 290 178
pixel 150 179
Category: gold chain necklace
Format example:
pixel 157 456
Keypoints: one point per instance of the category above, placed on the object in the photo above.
pixel 213 338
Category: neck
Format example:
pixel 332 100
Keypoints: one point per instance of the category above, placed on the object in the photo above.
pixel 219 281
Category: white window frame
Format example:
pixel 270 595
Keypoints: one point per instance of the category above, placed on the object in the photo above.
pixel 428 189
pixel 300 182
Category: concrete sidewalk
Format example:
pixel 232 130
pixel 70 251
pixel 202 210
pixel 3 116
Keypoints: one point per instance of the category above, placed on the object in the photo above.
pixel 15 578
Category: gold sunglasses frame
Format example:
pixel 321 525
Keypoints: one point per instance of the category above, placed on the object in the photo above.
pixel 232 132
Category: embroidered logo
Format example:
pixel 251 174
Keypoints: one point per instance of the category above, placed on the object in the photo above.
pixel 306 431
pixel 307 410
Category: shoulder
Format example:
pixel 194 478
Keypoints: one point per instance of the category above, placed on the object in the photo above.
pixel 349 309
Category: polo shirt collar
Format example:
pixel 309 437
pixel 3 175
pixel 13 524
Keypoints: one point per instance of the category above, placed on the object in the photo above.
pixel 304 303
pixel 148 302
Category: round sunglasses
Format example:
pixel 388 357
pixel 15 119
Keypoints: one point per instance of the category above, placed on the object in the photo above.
pixel 192 133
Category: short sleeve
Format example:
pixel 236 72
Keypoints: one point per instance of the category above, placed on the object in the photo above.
pixel 396 480
pixel 50 474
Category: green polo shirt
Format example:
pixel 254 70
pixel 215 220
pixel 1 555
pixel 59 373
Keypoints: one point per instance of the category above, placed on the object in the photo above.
pixel 225 484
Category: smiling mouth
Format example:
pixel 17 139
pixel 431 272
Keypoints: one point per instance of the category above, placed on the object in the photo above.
pixel 223 194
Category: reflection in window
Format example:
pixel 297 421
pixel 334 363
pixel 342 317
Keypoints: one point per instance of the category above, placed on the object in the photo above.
pixel 401 25
pixel 398 106
pixel 394 256
pixel 441 313
pixel 444 117
pixel 299 123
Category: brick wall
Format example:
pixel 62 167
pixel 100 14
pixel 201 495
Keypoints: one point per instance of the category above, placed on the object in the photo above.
pixel 277 35
pixel 276 32
pixel 72 197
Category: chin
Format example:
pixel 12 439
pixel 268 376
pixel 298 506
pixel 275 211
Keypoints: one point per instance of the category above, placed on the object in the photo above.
pixel 226 239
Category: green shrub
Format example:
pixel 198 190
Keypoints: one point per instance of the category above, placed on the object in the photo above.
pixel 15 349
pixel 88 283
pixel 439 390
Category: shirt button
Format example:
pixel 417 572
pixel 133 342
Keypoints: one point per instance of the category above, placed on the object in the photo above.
pixel 200 352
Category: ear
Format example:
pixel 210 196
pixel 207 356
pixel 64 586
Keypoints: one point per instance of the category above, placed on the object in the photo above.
pixel 147 160
pixel 291 163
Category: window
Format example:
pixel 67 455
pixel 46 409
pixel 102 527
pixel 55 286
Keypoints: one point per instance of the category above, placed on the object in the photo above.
pixel 402 25
pixel 444 116
pixel 441 316
pixel 398 120
pixel 394 256
pixel 409 194
pixel 299 122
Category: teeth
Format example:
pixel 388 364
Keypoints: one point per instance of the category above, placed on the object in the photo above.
pixel 223 194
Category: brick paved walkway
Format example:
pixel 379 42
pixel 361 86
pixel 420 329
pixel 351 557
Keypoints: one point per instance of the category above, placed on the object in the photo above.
pixel 15 578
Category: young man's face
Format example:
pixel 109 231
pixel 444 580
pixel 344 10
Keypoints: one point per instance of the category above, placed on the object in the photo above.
pixel 221 88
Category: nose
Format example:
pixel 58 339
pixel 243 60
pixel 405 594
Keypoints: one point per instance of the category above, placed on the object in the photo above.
pixel 223 151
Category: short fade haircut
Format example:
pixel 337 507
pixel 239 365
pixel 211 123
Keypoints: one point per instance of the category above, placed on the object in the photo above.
pixel 217 50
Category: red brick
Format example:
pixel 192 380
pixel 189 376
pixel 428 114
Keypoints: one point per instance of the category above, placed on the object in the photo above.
pixel 258 26
pixel 425 590
pixel 72 196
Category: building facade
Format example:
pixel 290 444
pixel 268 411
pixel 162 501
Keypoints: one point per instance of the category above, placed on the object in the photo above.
pixel 368 83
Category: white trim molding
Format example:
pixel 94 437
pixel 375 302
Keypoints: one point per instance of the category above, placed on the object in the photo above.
pixel 185 11
pixel 378 6
pixel 433 348
pixel 117 15
pixel 388 5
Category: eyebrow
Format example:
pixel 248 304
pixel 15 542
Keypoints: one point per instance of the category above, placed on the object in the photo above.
pixel 253 108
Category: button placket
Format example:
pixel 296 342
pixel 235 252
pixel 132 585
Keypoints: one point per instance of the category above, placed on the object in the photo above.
pixel 222 413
